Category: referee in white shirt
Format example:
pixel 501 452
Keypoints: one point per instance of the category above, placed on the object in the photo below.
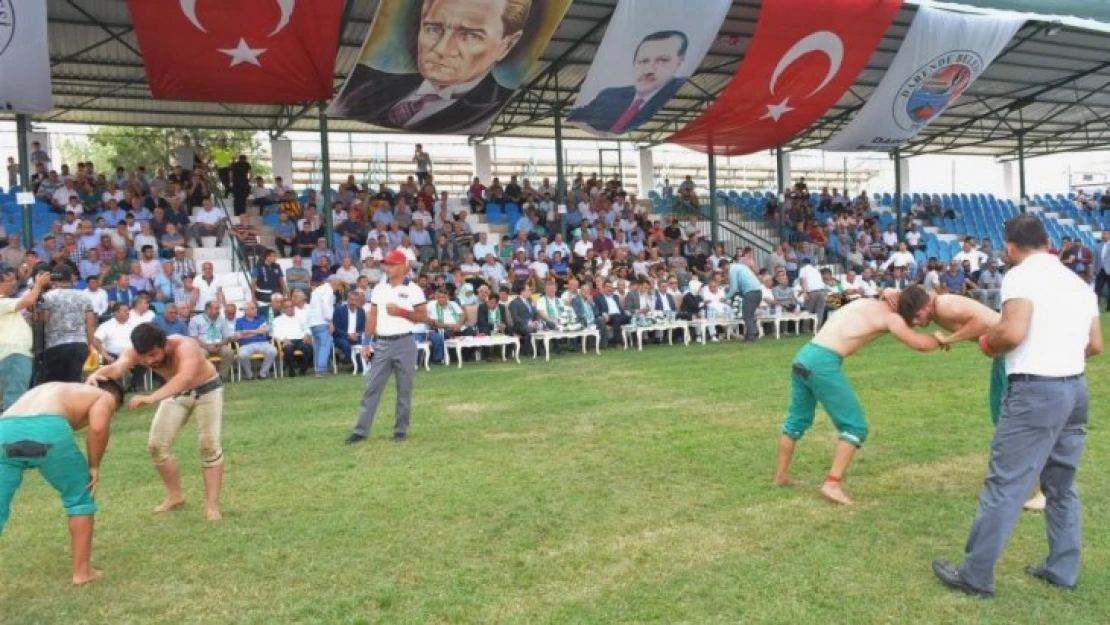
pixel 396 305
pixel 1049 326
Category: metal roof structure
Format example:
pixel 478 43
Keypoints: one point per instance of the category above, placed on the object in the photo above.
pixel 1049 90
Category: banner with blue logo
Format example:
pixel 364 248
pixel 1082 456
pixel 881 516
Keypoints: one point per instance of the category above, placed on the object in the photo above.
pixel 942 55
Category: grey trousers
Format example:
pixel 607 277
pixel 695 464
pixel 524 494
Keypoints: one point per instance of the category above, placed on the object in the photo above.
pixel 750 303
pixel 399 358
pixel 1041 433
pixel 815 303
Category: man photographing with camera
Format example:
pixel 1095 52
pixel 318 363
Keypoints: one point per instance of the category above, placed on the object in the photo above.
pixel 16 340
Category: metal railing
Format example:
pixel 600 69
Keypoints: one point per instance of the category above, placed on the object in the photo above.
pixel 239 259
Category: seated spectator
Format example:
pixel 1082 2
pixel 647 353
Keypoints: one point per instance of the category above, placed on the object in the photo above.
pixel 321 271
pixel 989 286
pixel 91 265
pixel 446 320
pixel 172 241
pixel 141 312
pixel 98 297
pixel 209 222
pixel 285 235
pixel 211 331
pixel 349 322
pixel 898 279
pixel 784 294
pixel 253 335
pixel 171 322
pixel 294 338
pixel 114 335
pixel 952 280
pixel 493 315
pixel 523 314
pixel 298 277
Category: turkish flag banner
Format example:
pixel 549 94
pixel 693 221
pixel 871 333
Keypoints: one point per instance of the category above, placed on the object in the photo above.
pixel 804 55
pixel 249 51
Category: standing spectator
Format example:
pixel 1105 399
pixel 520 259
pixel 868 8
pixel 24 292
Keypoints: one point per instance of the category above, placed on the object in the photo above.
pixel 70 323
pixel 1050 325
pixel 39 155
pixel 253 333
pixel 16 361
pixel 185 156
pixel 743 282
pixel 210 330
pixel 814 293
pixel 13 172
pixel 222 158
pixel 267 280
pixel 396 305
pixel 1101 265
pixel 98 297
pixel 321 310
pixel 240 184
pixel 423 165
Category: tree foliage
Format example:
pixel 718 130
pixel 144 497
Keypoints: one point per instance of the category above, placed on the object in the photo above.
pixel 109 147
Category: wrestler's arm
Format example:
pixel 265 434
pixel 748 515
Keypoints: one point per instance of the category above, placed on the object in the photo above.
pixel 100 419
pixel 917 342
pixel 115 371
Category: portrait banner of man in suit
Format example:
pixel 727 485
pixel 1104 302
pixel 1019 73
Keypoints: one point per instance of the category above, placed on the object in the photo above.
pixel 445 66
pixel 650 49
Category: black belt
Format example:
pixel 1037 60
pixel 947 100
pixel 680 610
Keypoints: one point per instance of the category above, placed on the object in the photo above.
pixel 1026 377
pixel 393 337
pixel 203 389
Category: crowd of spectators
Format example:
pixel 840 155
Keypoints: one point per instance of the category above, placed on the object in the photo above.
pixel 118 256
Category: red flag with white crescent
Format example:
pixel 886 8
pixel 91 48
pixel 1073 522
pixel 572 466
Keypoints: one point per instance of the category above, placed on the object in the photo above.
pixel 804 55
pixel 253 51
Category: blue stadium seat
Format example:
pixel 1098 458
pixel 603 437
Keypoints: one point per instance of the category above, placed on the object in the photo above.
pixel 493 214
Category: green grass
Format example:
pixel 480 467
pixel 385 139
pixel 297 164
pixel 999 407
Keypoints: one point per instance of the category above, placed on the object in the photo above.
pixel 626 488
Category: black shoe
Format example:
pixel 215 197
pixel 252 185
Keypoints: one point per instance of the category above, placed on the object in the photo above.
pixel 400 438
pixel 949 575
pixel 354 439
pixel 1048 578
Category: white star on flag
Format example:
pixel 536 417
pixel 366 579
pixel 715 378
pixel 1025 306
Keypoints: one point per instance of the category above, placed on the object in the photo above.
pixel 775 111
pixel 243 54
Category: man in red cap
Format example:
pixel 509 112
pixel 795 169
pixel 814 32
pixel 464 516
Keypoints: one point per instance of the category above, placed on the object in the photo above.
pixel 396 306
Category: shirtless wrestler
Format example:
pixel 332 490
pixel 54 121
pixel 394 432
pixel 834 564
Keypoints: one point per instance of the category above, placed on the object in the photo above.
pixel 194 389
pixel 37 433
pixel 817 377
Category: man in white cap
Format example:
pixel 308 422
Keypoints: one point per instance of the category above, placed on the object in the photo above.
pixel 396 306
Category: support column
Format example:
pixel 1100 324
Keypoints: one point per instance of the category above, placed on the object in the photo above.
pixel 782 169
pixel 22 127
pixel 560 174
pixel 647 172
pixel 898 189
pixel 1021 166
pixel 714 222
pixel 281 159
pixel 325 174
pixel 483 162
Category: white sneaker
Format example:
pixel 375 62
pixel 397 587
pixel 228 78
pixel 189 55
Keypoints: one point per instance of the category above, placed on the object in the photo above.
pixel 715 339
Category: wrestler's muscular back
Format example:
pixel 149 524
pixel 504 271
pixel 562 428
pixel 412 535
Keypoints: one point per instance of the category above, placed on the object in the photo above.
pixel 72 401
pixel 953 312
pixel 854 326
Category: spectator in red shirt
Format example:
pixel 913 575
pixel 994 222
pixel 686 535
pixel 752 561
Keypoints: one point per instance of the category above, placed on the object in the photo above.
pixel 477 196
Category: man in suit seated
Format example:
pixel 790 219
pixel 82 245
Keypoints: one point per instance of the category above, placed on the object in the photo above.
pixel 610 313
pixel 349 322
pixel 457 47
pixel 523 314
pixel 493 316
pixel 617 110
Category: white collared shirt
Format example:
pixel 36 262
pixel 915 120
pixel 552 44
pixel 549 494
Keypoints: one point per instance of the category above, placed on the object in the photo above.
pixel 407 295
pixel 974 258
pixel 448 95
pixel 115 336
pixel 288 328
pixel 812 277
pixel 1063 308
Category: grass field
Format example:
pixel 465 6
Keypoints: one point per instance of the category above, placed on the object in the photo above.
pixel 626 488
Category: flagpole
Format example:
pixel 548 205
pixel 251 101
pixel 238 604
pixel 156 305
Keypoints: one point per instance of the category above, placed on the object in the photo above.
pixel 22 127
pixel 325 174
